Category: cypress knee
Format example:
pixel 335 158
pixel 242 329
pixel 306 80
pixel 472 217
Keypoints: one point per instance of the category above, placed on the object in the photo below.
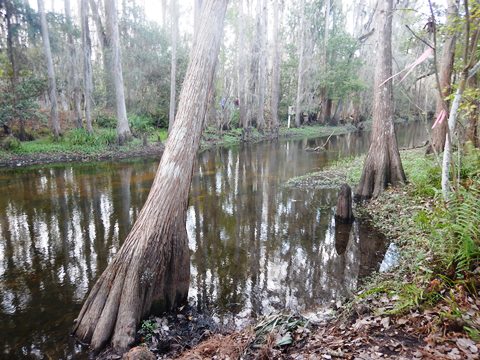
pixel 344 212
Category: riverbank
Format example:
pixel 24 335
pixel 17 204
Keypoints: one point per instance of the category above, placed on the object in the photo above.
pixel 78 146
pixel 426 307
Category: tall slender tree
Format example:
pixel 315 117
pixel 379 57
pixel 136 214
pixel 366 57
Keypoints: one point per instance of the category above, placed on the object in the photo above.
pixel 383 165
pixel 52 87
pixel 13 65
pixel 173 66
pixel 445 77
pixel 104 40
pixel 73 72
pixel 87 64
pixel 275 80
pixel 262 61
pixel 326 109
pixel 301 66
pixel 241 68
pixel 123 129
pixel 151 269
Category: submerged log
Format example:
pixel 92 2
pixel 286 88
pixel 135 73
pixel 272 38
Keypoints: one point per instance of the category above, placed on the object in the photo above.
pixel 344 212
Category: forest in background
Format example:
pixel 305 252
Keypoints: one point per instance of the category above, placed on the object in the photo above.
pixel 316 57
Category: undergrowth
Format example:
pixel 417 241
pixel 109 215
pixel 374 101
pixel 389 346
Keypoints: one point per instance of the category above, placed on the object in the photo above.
pixel 439 242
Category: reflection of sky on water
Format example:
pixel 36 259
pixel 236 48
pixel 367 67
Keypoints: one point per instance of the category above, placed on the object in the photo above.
pixel 256 246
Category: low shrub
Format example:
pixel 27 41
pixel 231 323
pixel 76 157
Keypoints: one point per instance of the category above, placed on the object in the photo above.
pixel 10 143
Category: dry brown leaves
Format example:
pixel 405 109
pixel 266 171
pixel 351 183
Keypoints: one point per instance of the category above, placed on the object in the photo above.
pixel 220 347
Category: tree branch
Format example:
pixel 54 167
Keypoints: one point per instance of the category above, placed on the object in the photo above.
pixel 419 38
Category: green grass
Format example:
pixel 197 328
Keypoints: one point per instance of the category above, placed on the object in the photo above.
pixel 346 170
pixel 78 141
pixel 74 141
pixel 315 130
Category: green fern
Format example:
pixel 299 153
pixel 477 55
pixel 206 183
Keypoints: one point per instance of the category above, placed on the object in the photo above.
pixel 465 229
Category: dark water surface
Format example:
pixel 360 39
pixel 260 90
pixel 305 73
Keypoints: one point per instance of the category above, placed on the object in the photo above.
pixel 255 245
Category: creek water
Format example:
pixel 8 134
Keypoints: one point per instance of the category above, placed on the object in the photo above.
pixel 256 245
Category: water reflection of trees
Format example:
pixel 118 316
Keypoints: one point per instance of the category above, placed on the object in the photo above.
pixel 259 246
pixel 256 246
pixel 59 227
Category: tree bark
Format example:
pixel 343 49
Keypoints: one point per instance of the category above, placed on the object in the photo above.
pixel 275 86
pixel 298 107
pixel 151 269
pixel 472 133
pixel 445 76
pixel 52 86
pixel 383 165
pixel 173 70
pixel 74 78
pixel 87 64
pixel 123 129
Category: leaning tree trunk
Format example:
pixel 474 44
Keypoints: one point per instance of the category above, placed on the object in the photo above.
pixel 383 165
pixel 446 68
pixel 52 87
pixel 151 270
pixel 123 129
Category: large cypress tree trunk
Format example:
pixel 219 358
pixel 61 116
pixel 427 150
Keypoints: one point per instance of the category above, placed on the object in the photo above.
pixel 151 269
pixel 52 86
pixel 383 165
pixel 446 68
pixel 123 129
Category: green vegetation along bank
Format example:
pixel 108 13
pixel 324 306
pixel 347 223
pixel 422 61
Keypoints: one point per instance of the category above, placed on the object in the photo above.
pixel 78 145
